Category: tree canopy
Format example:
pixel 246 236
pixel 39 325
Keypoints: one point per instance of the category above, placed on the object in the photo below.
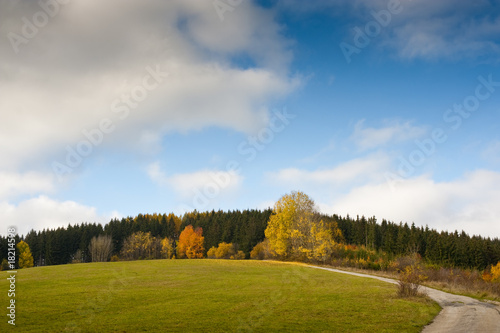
pixel 191 243
pixel 296 231
pixel 245 229
pixel 25 257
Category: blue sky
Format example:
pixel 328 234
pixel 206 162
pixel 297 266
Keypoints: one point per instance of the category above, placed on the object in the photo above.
pixel 385 108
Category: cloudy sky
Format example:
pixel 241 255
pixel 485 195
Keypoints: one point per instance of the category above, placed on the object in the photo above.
pixel 119 107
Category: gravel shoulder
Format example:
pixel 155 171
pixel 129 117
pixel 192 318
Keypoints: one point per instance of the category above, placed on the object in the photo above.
pixel 458 314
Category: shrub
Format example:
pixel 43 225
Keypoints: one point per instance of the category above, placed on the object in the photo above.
pixel 486 276
pixel 115 258
pixel 409 282
pixel 225 251
pixel 262 251
pixel 406 261
pixel 238 256
pixel 211 252
pixel 410 279
pixel 77 257
pixel 5 265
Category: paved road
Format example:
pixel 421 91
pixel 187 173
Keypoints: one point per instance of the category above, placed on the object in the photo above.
pixel 459 313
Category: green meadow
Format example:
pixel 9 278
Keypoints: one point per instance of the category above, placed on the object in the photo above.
pixel 206 296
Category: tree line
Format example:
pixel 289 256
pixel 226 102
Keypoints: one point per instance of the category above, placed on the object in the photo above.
pixel 241 231
pixel 448 249
pixel 68 244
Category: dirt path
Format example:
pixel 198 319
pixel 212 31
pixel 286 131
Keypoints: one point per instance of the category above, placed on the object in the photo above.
pixel 459 313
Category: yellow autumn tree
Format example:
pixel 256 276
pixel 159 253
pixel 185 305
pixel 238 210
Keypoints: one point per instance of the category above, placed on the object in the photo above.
pixel 167 248
pixel 25 256
pixel 225 251
pixel 322 243
pixel 141 245
pixel 296 232
pixel 495 272
pixel 286 214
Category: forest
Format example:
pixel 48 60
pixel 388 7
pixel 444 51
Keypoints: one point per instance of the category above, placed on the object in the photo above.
pixel 245 229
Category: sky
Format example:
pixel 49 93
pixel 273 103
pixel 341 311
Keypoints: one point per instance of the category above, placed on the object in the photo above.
pixel 379 108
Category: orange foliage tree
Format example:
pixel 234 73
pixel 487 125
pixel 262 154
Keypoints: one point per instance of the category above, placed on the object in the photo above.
pixel 190 243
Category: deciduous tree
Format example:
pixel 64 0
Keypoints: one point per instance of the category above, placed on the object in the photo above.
pixel 190 243
pixel 5 265
pixel 495 272
pixel 295 230
pixel 25 257
pixel 167 248
pixel 141 245
pixel 100 248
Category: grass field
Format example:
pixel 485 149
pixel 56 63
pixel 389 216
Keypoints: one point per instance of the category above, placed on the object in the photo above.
pixel 206 296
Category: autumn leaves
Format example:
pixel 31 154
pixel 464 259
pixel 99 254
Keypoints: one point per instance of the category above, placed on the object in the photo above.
pixel 141 245
pixel 191 246
pixel 295 232
pixel 190 243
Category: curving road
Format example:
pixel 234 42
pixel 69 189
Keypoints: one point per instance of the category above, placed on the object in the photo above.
pixel 459 313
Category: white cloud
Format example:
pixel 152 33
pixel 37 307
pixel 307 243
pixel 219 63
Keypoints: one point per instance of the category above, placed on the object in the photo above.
pixel 157 175
pixel 393 132
pixel 432 38
pixel 328 182
pixel 359 187
pixel 469 203
pixel 444 29
pixel 424 29
pixel 68 77
pixel 45 213
pixel 266 204
pixel 185 184
pixel 198 189
pixel 71 89
pixel 30 183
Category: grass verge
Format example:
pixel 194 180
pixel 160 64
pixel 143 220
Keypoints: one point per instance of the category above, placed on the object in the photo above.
pixel 444 284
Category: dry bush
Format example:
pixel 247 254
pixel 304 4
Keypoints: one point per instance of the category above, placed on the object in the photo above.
pixel 100 248
pixel 77 257
pixel 410 279
pixel 141 245
pixel 407 261
pixel 411 275
pixel 470 282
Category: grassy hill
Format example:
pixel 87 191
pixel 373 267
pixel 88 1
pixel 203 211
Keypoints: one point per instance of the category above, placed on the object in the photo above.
pixel 206 296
